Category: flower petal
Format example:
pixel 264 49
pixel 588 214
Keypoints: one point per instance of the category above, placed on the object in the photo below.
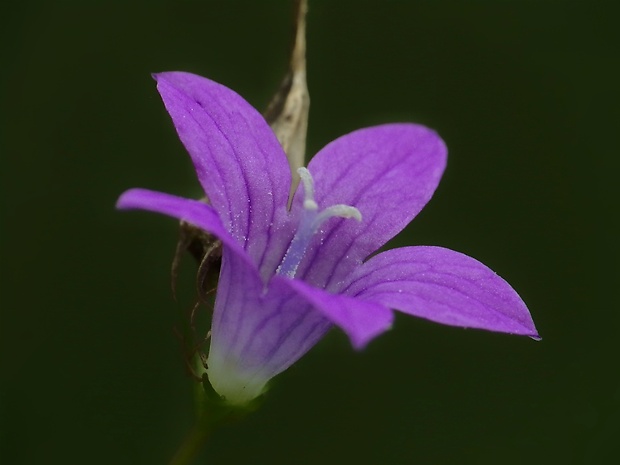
pixel 192 211
pixel 257 332
pixel 442 286
pixel 388 173
pixel 238 159
pixel 360 320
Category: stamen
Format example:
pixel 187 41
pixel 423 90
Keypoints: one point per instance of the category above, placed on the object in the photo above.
pixel 310 222
pixel 340 210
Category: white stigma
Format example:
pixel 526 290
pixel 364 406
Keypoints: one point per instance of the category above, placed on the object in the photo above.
pixel 311 220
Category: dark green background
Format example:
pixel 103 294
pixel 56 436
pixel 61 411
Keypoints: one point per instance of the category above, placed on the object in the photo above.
pixel 525 95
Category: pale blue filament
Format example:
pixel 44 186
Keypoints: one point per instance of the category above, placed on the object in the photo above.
pixel 311 220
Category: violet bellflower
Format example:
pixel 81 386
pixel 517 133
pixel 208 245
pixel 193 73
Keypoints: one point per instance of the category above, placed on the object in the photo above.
pixel 289 275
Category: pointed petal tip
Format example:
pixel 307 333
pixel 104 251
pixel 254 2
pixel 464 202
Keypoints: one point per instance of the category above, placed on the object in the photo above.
pixel 361 321
pixel 133 199
pixel 528 327
pixel 158 76
pixel 361 341
pixel 529 332
pixel 370 322
pixel 124 200
pixel 364 330
pixel 525 331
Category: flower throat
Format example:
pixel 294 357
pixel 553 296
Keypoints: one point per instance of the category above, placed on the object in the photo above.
pixel 311 220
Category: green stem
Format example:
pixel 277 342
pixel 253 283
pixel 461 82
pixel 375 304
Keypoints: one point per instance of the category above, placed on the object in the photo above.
pixel 204 426
pixel 192 444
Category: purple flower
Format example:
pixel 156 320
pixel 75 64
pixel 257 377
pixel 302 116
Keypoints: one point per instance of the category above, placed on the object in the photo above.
pixel 288 276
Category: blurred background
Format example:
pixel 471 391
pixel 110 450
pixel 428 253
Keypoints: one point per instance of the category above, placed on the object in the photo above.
pixel 525 93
